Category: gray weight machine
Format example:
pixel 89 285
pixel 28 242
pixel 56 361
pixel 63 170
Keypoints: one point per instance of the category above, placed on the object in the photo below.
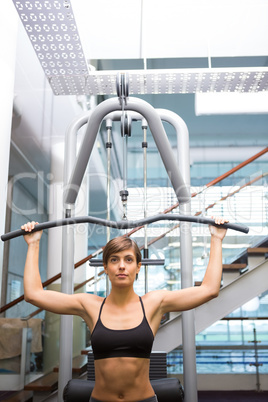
pixel 128 109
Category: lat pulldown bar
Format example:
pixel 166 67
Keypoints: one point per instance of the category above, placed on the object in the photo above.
pixel 96 262
pixel 124 224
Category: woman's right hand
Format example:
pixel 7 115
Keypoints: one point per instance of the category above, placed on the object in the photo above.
pixel 31 237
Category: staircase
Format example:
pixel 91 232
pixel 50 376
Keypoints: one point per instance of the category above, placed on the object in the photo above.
pixel 243 280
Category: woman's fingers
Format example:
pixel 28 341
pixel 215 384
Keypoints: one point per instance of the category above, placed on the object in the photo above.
pixel 29 226
pixel 219 220
pixel 217 231
pixel 30 237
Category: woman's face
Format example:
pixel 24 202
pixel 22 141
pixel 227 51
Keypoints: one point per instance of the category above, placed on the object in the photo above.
pixel 122 267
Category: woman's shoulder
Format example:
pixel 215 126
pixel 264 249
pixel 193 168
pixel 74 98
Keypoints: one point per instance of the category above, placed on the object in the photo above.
pixel 91 300
pixel 154 294
pixel 153 297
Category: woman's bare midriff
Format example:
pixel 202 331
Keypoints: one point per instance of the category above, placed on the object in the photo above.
pixel 122 379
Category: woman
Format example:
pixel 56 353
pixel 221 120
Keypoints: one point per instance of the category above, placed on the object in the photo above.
pixel 123 325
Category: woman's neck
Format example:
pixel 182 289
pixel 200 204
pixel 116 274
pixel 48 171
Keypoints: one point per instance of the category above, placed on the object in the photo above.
pixel 122 296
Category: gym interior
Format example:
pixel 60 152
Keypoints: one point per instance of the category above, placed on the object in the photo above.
pixel 198 68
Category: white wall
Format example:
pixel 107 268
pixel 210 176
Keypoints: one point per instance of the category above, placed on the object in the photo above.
pixel 8 33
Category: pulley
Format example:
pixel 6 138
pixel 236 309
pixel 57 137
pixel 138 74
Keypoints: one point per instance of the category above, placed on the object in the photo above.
pixel 126 124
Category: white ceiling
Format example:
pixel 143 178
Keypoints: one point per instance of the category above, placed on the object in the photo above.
pixel 134 29
pixel 171 34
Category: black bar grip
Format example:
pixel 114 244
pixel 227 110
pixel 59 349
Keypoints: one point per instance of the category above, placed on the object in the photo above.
pixel 96 262
pixel 124 224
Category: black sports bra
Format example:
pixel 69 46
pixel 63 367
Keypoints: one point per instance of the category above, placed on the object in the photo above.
pixel 133 342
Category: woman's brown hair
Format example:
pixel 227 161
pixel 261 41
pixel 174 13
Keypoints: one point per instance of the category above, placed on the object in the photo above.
pixel 120 244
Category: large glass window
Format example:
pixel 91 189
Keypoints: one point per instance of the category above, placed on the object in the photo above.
pixel 235 344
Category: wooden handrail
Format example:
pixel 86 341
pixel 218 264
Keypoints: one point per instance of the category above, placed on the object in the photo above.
pixel 171 208
pixel 223 176
pixel 236 168
pixel 209 206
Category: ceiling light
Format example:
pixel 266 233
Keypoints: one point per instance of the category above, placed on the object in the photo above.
pixel 231 103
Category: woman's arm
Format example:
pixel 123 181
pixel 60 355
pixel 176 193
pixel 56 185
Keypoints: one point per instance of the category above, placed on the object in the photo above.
pixel 34 292
pixel 192 297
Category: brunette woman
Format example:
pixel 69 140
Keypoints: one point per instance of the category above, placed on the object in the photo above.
pixel 123 325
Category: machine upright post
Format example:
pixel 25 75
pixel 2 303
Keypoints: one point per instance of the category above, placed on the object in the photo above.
pixel 66 321
pixel 188 317
pixel 146 250
pixel 67 270
pixel 108 213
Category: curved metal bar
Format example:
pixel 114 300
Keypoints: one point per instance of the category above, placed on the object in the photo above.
pixel 157 130
pixel 123 224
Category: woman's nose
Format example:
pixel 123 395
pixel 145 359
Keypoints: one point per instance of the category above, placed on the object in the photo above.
pixel 122 264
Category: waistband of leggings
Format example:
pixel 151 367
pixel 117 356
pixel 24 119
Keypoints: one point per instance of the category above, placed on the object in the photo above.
pixel 152 399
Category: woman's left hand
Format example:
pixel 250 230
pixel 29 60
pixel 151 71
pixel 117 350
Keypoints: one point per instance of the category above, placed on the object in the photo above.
pixel 218 231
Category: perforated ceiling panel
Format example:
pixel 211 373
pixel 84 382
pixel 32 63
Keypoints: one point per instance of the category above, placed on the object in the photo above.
pixel 165 82
pixel 53 33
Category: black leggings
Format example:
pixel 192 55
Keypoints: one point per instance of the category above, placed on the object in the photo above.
pixel 152 399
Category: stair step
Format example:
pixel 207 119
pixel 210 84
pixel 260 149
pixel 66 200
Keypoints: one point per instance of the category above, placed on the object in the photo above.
pixel 233 267
pixel 86 350
pixel 21 396
pixel 47 383
pixel 257 250
pixel 229 268
pixel 79 365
